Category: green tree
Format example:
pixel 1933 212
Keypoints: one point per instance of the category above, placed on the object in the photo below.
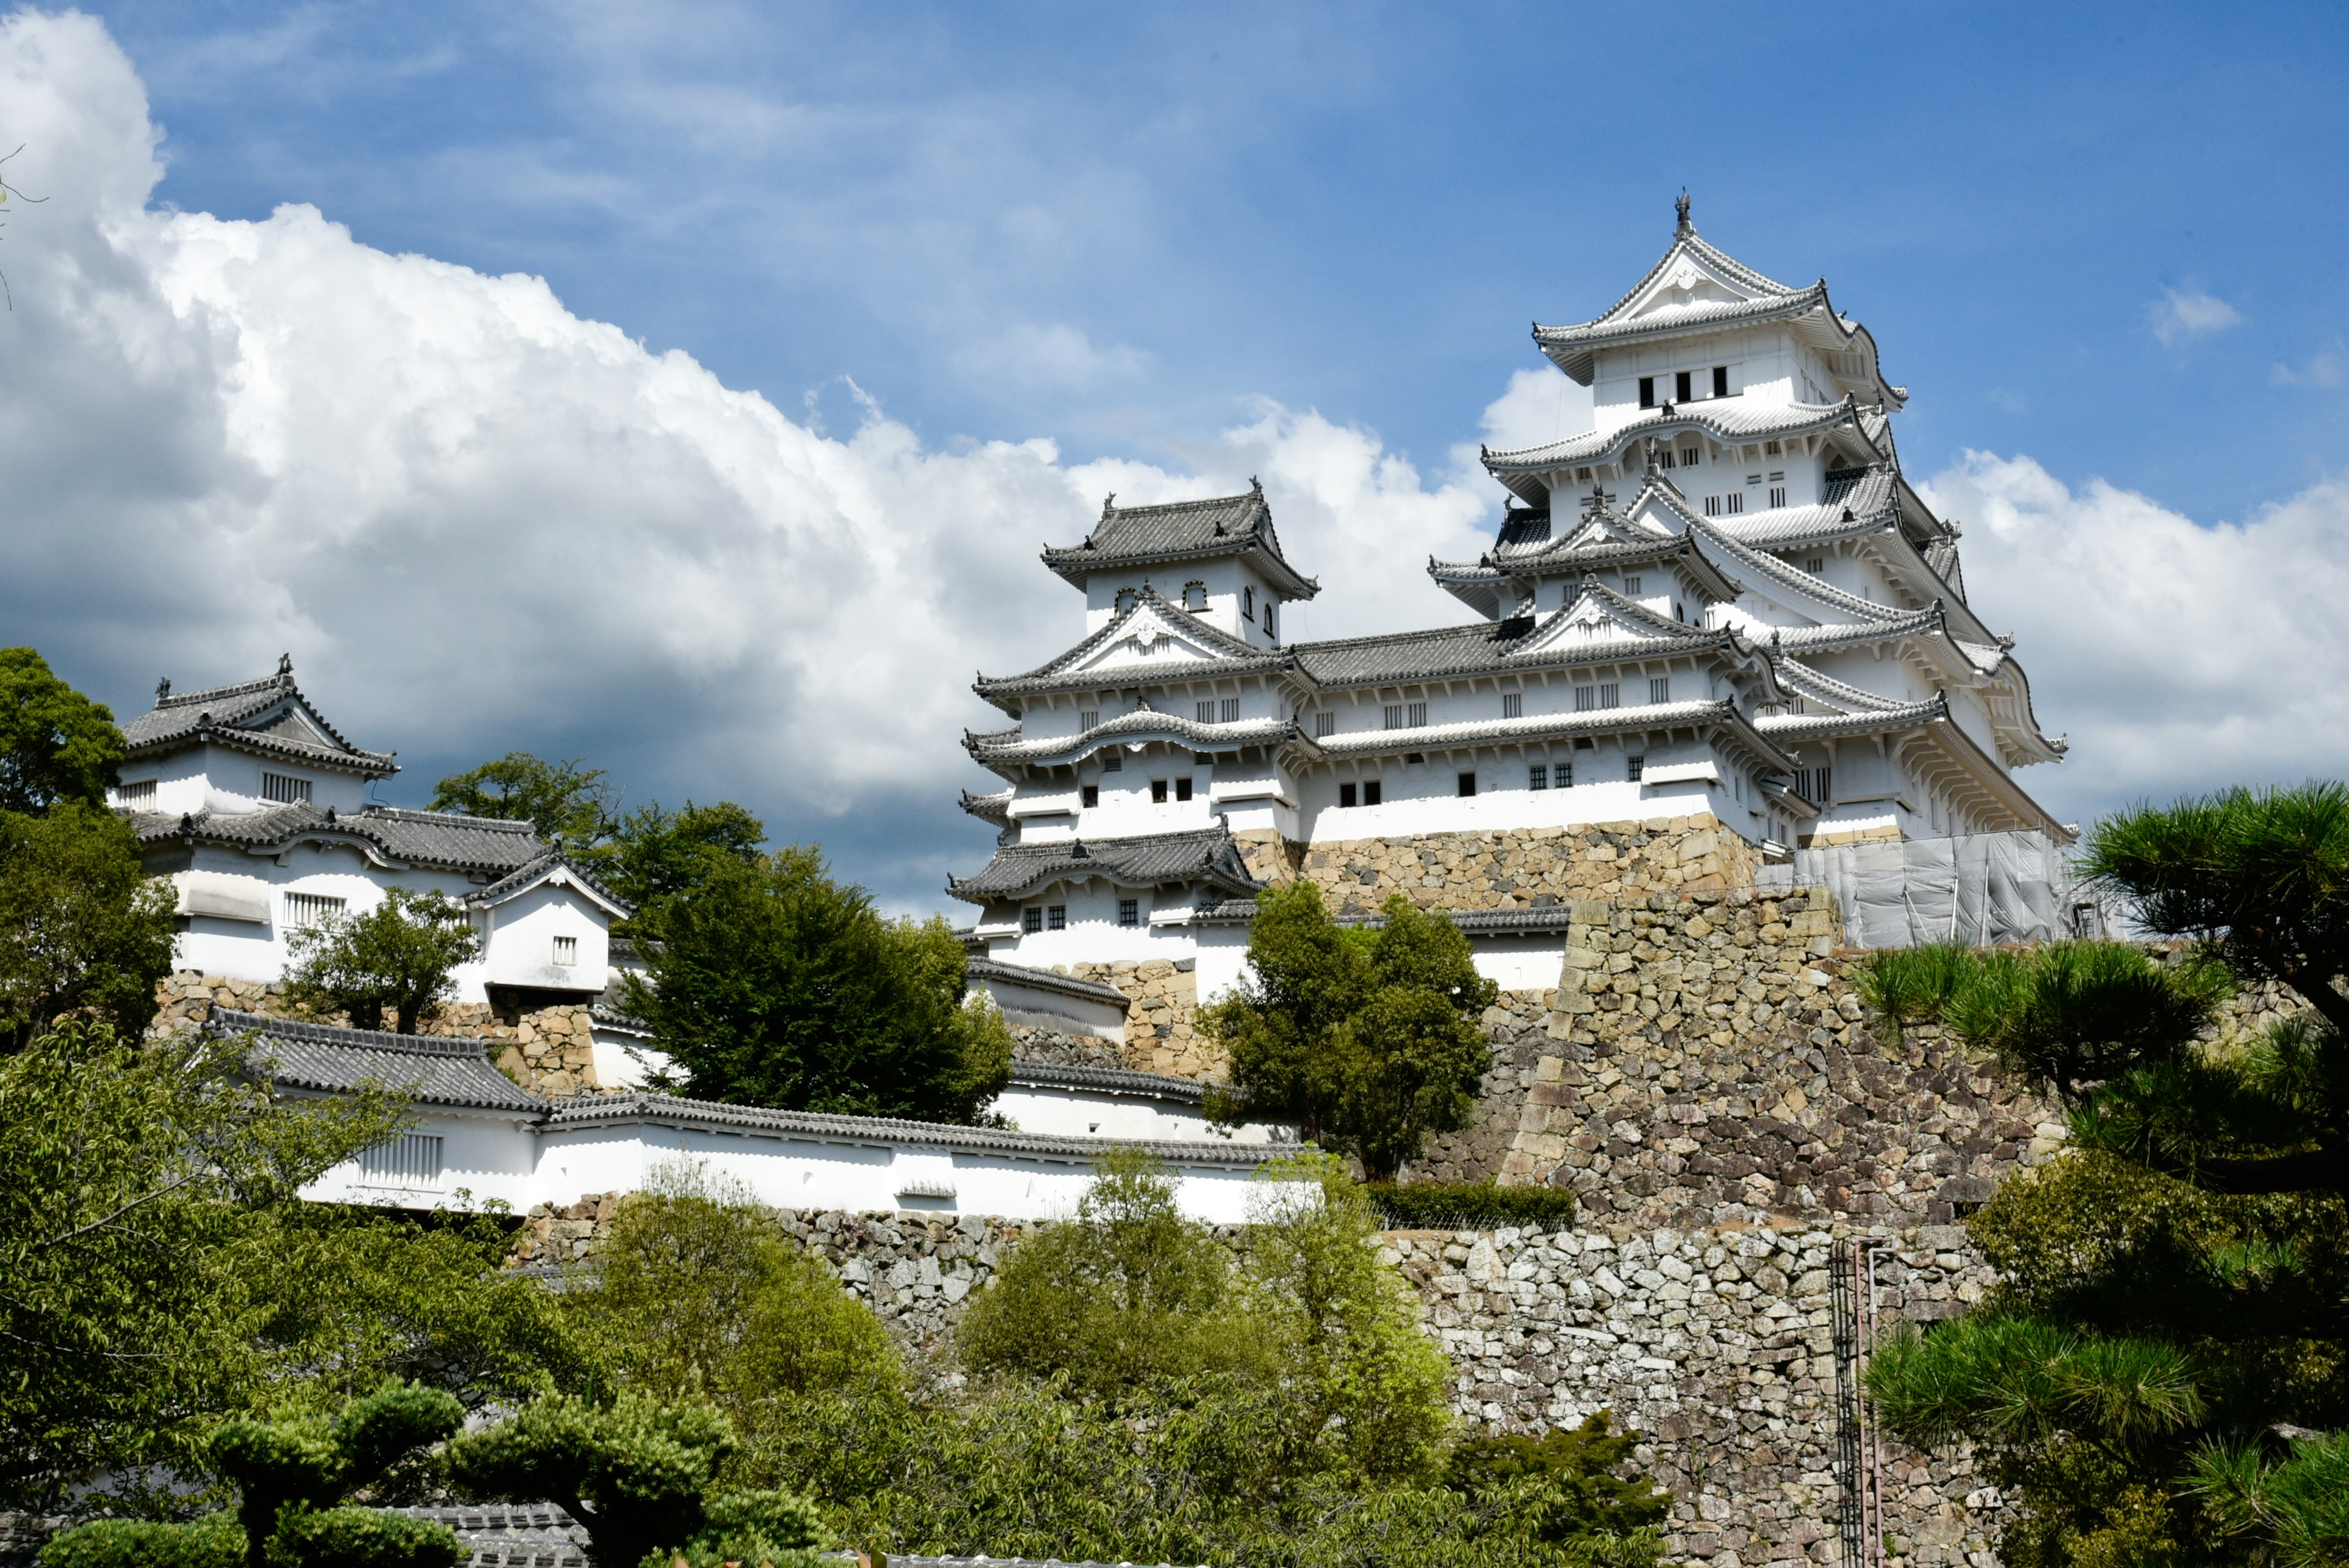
pixel 140 1189
pixel 2169 1311
pixel 1562 1485
pixel 573 807
pixel 771 984
pixel 656 853
pixel 56 744
pixel 1369 1042
pixel 403 955
pixel 1126 1295
pixel 81 925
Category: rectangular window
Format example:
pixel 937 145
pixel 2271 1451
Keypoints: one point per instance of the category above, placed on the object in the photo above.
pixel 1712 505
pixel 312 908
pixel 1325 724
pixel 1182 787
pixel 1091 796
pixel 1638 766
pixel 1112 762
pixel 285 789
pixel 1769 449
pixel 1418 719
pixel 1815 785
pixel 1346 794
pixel 1512 705
pixel 1129 911
pixel 137 797
pixel 411 1159
pixel 1777 495
pixel 1610 695
pixel 1231 712
pixel 1680 386
pixel 1370 792
pixel 1207 712
pixel 1689 457
pixel 1816 564
pixel 1087 717
pixel 1659 688
pixel 1158 792
pixel 1056 917
pixel 1248 603
pixel 1735 503
pixel 1537 777
pixel 1721 380
pixel 1631 585
pixel 566 949
pixel 1032 918
pixel 1394 715
pixel 1562 774
pixel 1647 391
pixel 1467 783
pixel 1586 697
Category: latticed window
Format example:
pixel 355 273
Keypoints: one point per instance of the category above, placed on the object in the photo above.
pixel 1056 917
pixel 1586 697
pixel 1638 765
pixel 1394 715
pixel 1610 695
pixel 1512 705
pixel 1418 715
pixel 312 908
pixel 1324 723
pixel 1537 777
pixel 1129 911
pixel 1032 918
pixel 1660 688
pixel 566 949
pixel 411 1159
pixel 1631 583
pixel 1815 785
pixel 285 789
pixel 1231 710
pixel 1207 712
pixel 1088 717
pixel 135 795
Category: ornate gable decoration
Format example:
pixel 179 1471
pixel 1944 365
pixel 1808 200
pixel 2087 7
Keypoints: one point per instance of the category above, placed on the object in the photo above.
pixel 1599 616
pixel 1155 632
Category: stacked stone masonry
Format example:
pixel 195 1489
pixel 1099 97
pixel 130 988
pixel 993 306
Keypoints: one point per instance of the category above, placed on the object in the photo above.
pixel 1714 1345
pixel 1526 867
pixel 551 1051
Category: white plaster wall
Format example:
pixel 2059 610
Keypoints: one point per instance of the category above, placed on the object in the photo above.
pixel 1425 799
pixel 484 1158
pixel 1520 963
pixel 623 1062
pixel 1088 1113
pixel 521 946
pixel 1222 961
pixel 1227 582
pixel 217 778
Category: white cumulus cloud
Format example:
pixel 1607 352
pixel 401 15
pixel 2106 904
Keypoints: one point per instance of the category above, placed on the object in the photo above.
pixel 2178 656
pixel 479 521
pixel 2181 314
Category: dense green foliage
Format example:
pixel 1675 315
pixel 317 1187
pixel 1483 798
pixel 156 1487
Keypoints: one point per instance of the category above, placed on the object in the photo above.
pixel 1564 1480
pixel 56 744
pixel 656 853
pixel 82 929
pixel 1470 1205
pixel 573 807
pixel 215 1541
pixel 402 955
pixel 2167 1343
pixel 771 984
pixel 161 1271
pixel 1366 1042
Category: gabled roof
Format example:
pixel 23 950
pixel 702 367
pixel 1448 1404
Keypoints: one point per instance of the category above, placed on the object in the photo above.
pixel 1731 421
pixel 325 1057
pixel 1180 531
pixel 1005 748
pixel 269 717
pixel 1480 647
pixel 1069 671
pixel 551 866
pixel 1117 1080
pixel 1478 585
pixel 385 835
pixel 1646 314
pixel 1208 856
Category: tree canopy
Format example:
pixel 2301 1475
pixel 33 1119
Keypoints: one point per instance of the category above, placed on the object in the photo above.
pixel 82 928
pixel 656 853
pixel 2153 1372
pixel 56 744
pixel 402 955
pixel 573 807
pixel 771 984
pixel 1366 1041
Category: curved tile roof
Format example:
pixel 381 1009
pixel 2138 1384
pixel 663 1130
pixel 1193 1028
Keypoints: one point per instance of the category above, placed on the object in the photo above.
pixel 1731 421
pixel 1005 746
pixel 1044 980
pixel 1062 673
pixel 1111 1080
pixel 429 838
pixel 270 716
pixel 1179 531
pixel 1208 856
pixel 430 1069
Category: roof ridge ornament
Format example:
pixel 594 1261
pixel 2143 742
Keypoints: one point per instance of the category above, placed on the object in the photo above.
pixel 284 666
pixel 1682 229
pixel 162 690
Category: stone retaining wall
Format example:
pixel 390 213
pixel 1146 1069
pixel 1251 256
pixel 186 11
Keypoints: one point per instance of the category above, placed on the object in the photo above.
pixel 1519 867
pixel 1162 1032
pixel 551 1051
pixel 1714 1345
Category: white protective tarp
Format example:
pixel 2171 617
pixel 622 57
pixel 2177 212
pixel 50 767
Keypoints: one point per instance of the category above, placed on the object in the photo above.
pixel 1981 889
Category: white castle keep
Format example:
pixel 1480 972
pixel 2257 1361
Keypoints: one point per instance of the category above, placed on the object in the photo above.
pixel 1717 626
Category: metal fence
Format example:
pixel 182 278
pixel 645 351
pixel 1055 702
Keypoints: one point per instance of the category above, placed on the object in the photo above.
pixel 1981 889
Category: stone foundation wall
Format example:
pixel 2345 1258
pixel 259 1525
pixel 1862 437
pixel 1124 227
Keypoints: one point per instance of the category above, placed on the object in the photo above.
pixel 1519 867
pixel 551 1051
pixel 1162 1034
pixel 1712 1344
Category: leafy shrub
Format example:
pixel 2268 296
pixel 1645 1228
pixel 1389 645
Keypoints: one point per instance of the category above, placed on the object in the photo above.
pixel 1470 1205
pixel 1562 1484
pixel 361 1538
pixel 755 1530
pixel 215 1541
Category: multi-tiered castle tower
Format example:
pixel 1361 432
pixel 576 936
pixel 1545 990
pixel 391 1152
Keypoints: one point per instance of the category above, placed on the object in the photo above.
pixel 1717 624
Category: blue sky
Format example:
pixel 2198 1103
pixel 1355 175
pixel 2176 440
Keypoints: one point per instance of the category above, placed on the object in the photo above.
pixel 2100 240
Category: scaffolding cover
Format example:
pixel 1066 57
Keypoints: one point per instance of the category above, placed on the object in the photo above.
pixel 1981 889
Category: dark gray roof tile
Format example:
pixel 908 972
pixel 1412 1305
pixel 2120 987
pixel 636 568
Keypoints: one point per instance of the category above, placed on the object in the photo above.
pixel 1182 531
pixel 1205 854
pixel 428 1068
pixel 270 716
